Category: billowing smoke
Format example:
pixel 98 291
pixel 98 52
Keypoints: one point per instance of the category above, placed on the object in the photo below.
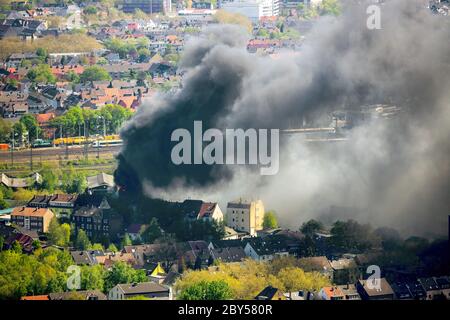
pixel 393 172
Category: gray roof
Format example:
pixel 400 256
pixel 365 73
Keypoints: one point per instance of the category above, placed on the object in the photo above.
pixel 231 254
pixel 384 289
pixel 83 257
pixel 21 182
pixel 142 288
pixel 239 205
pixel 268 245
pixel 342 264
pixel 102 179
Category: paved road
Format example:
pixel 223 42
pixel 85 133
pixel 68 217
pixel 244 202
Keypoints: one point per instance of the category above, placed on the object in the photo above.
pixel 57 153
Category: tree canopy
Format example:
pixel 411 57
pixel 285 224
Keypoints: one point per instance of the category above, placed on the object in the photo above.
pixel 207 290
pixel 270 220
pixel 94 73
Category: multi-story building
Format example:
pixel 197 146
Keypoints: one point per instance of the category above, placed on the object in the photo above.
pixel 37 219
pixel 95 216
pixel 245 216
pixel 148 6
pixel 253 9
pixel 62 205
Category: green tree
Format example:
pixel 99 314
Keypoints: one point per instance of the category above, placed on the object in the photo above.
pixel 270 220
pixel 94 73
pixel 36 245
pixel 74 182
pixel 310 227
pixel 295 279
pixel 31 125
pixel 330 7
pixel 2 242
pixel 3 203
pixel 97 246
pixel 19 131
pixel 49 179
pixel 126 241
pixel 92 277
pixel 350 236
pixel 82 241
pixel 123 273
pixel 90 10
pixel 204 290
pixel 41 74
pixel 152 232
pixel 263 33
pixel 112 248
pixel 59 234
pixel 42 53
pixel 5 130
pixel 16 247
pixel 72 77
pixel 144 54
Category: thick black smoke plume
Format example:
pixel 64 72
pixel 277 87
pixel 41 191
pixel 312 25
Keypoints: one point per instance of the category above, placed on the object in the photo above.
pixel 393 172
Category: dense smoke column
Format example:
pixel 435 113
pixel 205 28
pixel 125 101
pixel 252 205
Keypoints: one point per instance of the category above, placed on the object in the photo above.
pixel 215 68
pixel 399 170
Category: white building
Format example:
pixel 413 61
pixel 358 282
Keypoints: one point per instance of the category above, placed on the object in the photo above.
pixel 253 9
pixel 147 289
pixel 245 216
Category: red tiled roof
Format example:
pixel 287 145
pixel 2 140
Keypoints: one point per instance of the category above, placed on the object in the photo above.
pixel 44 117
pixel 42 297
pixel 206 209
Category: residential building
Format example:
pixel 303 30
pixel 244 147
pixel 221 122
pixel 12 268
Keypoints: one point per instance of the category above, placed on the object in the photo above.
pixel 39 201
pixel 199 210
pixel 245 216
pixel 369 292
pixel 270 293
pixel 136 230
pixel 417 290
pixel 37 219
pixel 89 257
pixel 253 9
pixel 345 270
pixel 318 264
pixel 331 293
pixel 147 289
pixel 350 292
pixel 86 294
pixel 432 289
pixel 11 234
pixel 401 291
pixel 228 254
pixel 267 248
pixel 94 215
pixel 61 204
pixel 100 183
pixel 444 285
pixel 148 6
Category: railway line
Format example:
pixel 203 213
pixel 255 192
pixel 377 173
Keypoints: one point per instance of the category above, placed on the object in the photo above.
pixel 58 153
